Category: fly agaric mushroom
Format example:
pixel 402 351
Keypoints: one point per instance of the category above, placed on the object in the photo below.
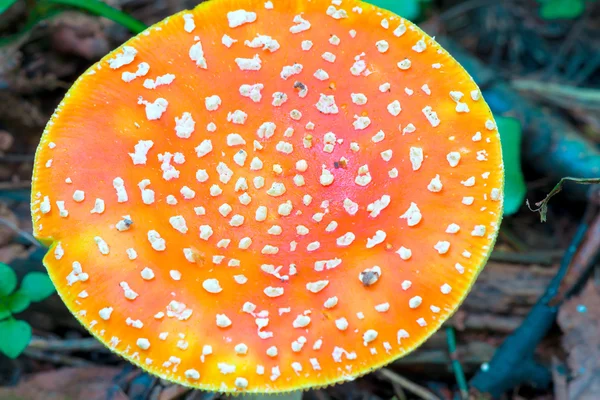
pixel 268 196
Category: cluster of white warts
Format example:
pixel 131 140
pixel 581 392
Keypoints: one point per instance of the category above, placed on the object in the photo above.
pixel 184 128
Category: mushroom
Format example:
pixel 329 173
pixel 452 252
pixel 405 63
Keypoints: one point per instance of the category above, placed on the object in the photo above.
pixel 252 159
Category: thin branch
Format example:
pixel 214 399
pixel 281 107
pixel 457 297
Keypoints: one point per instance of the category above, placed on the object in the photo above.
pixel 542 257
pixel 56 358
pixel 557 93
pixel 399 392
pixel 456 366
pixel 17 158
pixel 542 206
pixel 25 235
pixel 408 385
pixel 68 345
pixel 15 185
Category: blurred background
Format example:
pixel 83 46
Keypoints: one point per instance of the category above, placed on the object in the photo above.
pixel 530 328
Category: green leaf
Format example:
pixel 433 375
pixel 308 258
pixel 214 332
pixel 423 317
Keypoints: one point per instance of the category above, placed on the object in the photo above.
pixel 514 184
pixel 104 10
pixel 37 15
pixel 4 311
pixel 8 280
pixel 409 9
pixel 5 5
pixel 18 302
pixel 14 337
pixel 561 9
pixel 47 9
pixel 37 286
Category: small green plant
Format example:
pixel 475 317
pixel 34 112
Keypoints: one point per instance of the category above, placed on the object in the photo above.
pixel 45 9
pixel 562 9
pixel 514 183
pixel 35 286
pixel 409 9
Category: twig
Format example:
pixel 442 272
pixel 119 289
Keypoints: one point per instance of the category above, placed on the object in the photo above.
pixel 408 385
pixel 547 257
pixel 587 70
pixel 434 356
pixel 475 321
pixel 17 158
pixel 542 206
pixel 321 395
pixel 456 367
pixel 56 358
pixel 25 235
pixel 68 345
pixel 15 185
pixel 563 95
pixel 508 235
pixel 399 392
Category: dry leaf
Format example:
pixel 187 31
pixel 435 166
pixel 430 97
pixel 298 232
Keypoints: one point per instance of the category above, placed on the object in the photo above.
pixel 579 319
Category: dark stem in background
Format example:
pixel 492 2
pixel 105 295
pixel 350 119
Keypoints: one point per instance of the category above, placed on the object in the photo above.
pixel 456 367
pixel 513 363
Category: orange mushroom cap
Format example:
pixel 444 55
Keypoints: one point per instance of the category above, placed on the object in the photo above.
pixel 269 196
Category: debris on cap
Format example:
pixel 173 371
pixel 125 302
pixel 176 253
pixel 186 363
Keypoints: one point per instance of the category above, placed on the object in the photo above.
pixel 269 196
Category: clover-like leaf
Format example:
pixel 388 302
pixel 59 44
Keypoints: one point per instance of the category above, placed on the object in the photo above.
pixel 18 302
pixel 6 4
pixel 409 9
pixel 8 280
pixel 561 9
pixel 37 286
pixel 514 184
pixel 15 336
pixel 4 311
